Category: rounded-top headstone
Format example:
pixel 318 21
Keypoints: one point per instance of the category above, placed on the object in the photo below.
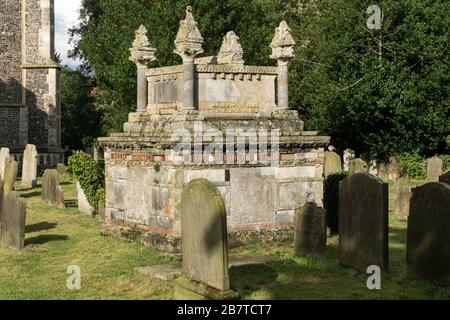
pixel 310 231
pixel 204 234
pixel 428 238
pixel 10 176
pixel 434 168
pixel 358 166
pixel 29 166
pixel 333 163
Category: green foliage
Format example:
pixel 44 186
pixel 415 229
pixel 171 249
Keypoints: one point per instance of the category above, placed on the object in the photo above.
pixel 331 200
pixel 446 160
pixel 90 176
pixel 413 166
pixel 80 119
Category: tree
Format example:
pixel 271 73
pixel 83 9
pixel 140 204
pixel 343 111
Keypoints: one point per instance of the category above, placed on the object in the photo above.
pixel 80 119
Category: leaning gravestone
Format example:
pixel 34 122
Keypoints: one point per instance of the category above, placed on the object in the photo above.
pixel 445 178
pixel 428 239
pixel 29 167
pixel 52 192
pixel 401 204
pixel 333 163
pixel 5 158
pixel 13 221
pixel 434 168
pixel 310 231
pixel 363 222
pixel 10 176
pixel 83 204
pixel 358 166
pixel 204 244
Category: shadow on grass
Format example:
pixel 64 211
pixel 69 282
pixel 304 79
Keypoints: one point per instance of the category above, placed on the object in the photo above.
pixel 41 226
pixel 65 183
pixel 71 203
pixel 31 194
pixel 44 239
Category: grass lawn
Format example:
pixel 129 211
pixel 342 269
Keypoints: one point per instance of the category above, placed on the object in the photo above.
pixel 58 238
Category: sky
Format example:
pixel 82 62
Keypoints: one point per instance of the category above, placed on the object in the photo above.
pixel 66 16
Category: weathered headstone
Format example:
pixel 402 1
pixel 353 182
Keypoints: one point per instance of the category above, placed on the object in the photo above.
pixel 310 231
pixel 61 168
pixel 434 168
pixel 204 243
pixel 349 155
pixel 363 222
pixel 52 192
pixel 373 170
pixel 428 239
pixel 5 158
pixel 10 176
pixel 333 163
pixel 83 203
pixel 394 169
pixel 1 203
pixel 29 166
pixel 13 221
pixel 358 166
pixel 401 205
pixel 445 178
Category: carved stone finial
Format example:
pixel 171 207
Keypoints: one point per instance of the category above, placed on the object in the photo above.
pixel 283 43
pixel 231 51
pixel 189 40
pixel 142 51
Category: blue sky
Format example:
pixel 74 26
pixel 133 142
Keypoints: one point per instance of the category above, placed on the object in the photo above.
pixel 66 16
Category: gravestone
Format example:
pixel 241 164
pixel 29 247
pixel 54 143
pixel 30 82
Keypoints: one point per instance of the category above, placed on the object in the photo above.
pixel 52 192
pixel 401 205
pixel 5 158
pixel 1 203
pixel 204 243
pixel 13 221
pixel 29 166
pixel 428 236
pixel 333 163
pixel 358 166
pixel 389 171
pixel 310 231
pixel 10 176
pixel 373 170
pixel 349 155
pixel 61 168
pixel 83 204
pixel 434 168
pixel 363 222
pixel 445 178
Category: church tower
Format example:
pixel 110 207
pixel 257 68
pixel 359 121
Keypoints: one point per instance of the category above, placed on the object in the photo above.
pixel 30 111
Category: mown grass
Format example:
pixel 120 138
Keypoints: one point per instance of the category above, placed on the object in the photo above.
pixel 58 238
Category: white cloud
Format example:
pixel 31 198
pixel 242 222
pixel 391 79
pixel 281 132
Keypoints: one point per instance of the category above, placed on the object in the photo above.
pixel 66 16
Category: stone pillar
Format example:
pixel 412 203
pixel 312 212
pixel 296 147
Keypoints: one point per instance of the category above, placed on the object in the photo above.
pixel 188 44
pixel 46 32
pixel 141 54
pixel 283 85
pixel 283 50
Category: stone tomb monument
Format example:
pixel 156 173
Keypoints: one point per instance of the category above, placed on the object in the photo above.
pixel 13 215
pixel 445 178
pixel 310 231
pixel 428 239
pixel 210 117
pixel 52 193
pixel 363 222
pixel 333 163
pixel 29 167
pixel 205 252
pixel 434 168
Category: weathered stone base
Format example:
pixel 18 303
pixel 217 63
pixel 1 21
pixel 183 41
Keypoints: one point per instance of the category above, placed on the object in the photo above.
pixel 186 289
pixel 171 244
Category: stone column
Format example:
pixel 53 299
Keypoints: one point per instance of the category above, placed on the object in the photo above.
pixel 188 44
pixel 141 54
pixel 46 32
pixel 283 50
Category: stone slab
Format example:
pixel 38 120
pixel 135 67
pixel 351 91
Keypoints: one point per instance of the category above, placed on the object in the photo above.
pixel 12 233
pixel 310 231
pixel 186 289
pixel 166 272
pixel 29 166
